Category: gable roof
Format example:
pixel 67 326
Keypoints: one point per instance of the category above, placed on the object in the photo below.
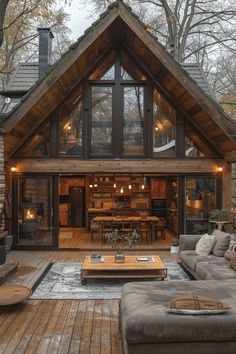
pixel 119 24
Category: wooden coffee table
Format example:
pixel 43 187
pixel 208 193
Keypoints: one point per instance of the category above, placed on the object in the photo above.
pixel 130 269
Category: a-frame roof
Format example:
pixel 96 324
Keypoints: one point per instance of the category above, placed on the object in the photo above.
pixel 119 24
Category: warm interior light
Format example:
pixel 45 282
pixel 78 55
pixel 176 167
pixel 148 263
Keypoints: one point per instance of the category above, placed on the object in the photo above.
pixel 114 185
pixel 90 186
pixel 13 169
pixel 130 186
pixel 122 190
pixel 95 185
pixel 143 186
pixel 69 127
pixel 156 128
pixel 220 169
pixel 29 215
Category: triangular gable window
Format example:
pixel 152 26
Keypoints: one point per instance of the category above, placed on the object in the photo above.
pixel 38 144
pixel 110 74
pixel 164 132
pixel 125 75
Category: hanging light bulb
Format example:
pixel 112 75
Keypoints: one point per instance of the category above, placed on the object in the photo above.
pixel 90 186
pixel 143 186
pixel 114 185
pixel 130 186
pixel 122 190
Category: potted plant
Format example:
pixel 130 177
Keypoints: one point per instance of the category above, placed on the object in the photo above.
pixel 115 238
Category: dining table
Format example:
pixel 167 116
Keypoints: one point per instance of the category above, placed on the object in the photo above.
pixel 122 220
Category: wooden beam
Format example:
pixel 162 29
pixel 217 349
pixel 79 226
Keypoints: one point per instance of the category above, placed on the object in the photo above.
pixel 168 165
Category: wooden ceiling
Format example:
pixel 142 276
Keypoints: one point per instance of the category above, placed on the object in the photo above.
pixel 120 24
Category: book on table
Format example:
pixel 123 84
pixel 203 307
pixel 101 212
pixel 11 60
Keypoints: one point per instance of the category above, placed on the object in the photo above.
pixel 145 259
pixel 96 258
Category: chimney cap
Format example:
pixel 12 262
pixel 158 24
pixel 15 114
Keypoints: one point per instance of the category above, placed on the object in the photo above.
pixel 46 29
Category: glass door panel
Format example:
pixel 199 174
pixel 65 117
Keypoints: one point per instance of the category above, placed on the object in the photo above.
pixel 35 217
pixel 133 120
pixel 200 199
pixel 101 122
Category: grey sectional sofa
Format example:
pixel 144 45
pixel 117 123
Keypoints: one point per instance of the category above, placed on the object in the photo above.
pixel 203 267
pixel 146 326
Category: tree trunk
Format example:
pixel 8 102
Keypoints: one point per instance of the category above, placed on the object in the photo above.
pixel 3 6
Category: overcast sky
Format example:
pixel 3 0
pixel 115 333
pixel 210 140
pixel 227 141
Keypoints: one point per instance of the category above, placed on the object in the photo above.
pixel 81 18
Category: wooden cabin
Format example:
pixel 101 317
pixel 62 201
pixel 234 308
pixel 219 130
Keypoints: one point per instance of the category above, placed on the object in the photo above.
pixel 115 128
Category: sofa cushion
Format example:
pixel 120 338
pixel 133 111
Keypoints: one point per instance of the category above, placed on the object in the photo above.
pixel 232 248
pixel 233 262
pixel 191 259
pixel 221 245
pixel 219 270
pixel 205 244
pixel 196 305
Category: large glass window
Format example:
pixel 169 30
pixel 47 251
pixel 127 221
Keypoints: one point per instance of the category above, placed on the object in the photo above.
pixel 70 130
pixel 200 200
pixel 101 122
pixel 35 211
pixel 133 120
pixel 164 131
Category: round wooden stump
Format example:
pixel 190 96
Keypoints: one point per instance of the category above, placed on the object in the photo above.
pixel 11 294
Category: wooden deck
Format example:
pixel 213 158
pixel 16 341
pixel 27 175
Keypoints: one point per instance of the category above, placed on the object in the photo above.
pixel 58 326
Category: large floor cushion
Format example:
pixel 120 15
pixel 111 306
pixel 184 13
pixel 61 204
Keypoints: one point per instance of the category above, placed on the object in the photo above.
pixel 146 325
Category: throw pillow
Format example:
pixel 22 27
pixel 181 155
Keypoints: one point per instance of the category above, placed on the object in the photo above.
pixel 232 248
pixel 233 262
pixel 205 244
pixel 221 245
pixel 196 305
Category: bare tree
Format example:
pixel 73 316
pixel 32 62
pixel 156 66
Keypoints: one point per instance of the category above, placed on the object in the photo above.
pixel 3 7
pixel 20 36
pixel 188 28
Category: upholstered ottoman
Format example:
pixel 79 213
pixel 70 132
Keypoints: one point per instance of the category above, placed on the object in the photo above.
pixel 147 328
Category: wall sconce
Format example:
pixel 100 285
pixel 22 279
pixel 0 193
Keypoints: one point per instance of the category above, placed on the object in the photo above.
pixel 13 169
pixel 220 169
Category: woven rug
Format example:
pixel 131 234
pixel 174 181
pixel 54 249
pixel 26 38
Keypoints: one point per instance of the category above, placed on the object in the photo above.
pixel 63 281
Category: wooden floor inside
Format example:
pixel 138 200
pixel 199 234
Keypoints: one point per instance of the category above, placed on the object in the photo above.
pixel 58 326
pixel 81 238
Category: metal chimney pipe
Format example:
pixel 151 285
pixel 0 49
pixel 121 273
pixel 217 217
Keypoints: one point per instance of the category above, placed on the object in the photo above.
pixel 45 49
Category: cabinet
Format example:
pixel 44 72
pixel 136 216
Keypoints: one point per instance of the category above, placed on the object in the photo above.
pixel 158 188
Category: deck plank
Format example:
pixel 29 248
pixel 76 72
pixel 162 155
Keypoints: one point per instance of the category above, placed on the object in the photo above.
pixel 78 327
pixel 59 326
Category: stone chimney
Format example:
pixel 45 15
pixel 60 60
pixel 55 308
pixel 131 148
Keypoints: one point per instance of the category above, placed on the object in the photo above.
pixel 45 49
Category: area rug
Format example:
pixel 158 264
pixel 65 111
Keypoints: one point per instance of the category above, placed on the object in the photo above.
pixel 63 281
